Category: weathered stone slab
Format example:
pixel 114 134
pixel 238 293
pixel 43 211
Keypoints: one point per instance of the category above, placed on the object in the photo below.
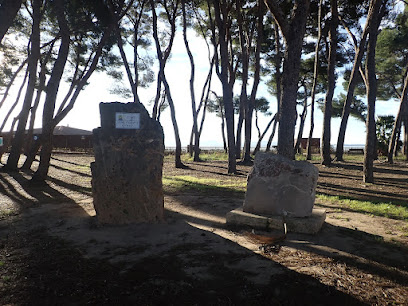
pixel 127 172
pixel 305 225
pixel 277 186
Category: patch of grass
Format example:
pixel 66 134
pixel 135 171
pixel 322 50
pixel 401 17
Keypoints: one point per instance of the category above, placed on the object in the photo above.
pixel 185 182
pixel 404 229
pixel 315 157
pixel 207 156
pixel 8 212
pixel 341 218
pixel 389 210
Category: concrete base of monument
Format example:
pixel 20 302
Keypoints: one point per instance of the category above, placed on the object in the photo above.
pixel 306 225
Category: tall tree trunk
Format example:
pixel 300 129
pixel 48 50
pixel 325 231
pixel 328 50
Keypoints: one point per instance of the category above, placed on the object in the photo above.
pixel 12 161
pixel 258 145
pixel 224 141
pixel 226 84
pixel 371 88
pixel 126 64
pixel 41 88
pixel 162 58
pixel 20 90
pixel 8 13
pixel 241 117
pixel 406 137
pixel 314 85
pixel 11 82
pixel 52 91
pixel 250 106
pixel 326 158
pixel 402 110
pixel 193 102
pixel 360 49
pixel 302 122
pixel 278 76
pixel 243 101
pixel 203 101
pixel 293 32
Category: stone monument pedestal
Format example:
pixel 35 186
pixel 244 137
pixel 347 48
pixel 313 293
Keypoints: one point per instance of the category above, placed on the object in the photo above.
pixel 305 225
pixel 279 188
pixel 127 172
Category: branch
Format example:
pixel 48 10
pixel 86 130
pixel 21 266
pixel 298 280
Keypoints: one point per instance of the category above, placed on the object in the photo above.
pixel 279 16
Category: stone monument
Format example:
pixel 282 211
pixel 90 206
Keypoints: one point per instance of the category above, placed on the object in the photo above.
pixel 127 172
pixel 280 189
pixel 278 185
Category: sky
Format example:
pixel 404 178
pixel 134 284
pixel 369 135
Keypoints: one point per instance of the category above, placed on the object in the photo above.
pixel 85 114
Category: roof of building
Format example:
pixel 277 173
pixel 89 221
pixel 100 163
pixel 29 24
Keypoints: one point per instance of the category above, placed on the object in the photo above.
pixel 66 130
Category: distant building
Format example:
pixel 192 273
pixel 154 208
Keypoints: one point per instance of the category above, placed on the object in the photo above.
pixel 315 144
pixel 65 137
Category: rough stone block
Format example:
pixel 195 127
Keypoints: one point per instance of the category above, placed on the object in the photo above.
pixel 127 172
pixel 305 225
pixel 278 186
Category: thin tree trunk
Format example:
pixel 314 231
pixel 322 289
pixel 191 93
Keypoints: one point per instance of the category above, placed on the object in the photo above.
pixel 226 84
pixel 369 153
pixel 278 76
pixel 244 106
pixel 406 137
pixel 193 102
pixel 12 161
pixel 31 154
pixel 250 106
pixel 20 90
pixel 162 57
pixel 8 12
pixel 402 109
pixel 360 49
pixel 203 103
pixel 51 97
pixel 10 84
pixel 224 141
pixel 241 117
pixel 41 88
pixel 325 152
pixel 126 64
pixel 293 32
pixel 315 75
pixel 302 123
pixel 258 145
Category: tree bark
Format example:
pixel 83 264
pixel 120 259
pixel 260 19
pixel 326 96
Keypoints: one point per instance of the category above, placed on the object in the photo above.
pixel 293 33
pixel 243 100
pixel 12 161
pixel 406 137
pixel 203 101
pixel 278 77
pixel 302 122
pixel 402 110
pixel 20 90
pixel 41 88
pixel 162 57
pixel 250 106
pixel 315 76
pixel 193 102
pixel 351 86
pixel 371 88
pixel 258 145
pixel 226 81
pixel 8 12
pixel 51 97
pixel 326 158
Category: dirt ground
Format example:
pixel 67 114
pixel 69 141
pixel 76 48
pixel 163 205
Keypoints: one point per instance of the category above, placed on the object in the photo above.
pixel 53 251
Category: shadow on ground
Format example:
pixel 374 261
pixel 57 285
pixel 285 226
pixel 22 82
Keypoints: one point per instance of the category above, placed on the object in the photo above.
pixel 56 253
